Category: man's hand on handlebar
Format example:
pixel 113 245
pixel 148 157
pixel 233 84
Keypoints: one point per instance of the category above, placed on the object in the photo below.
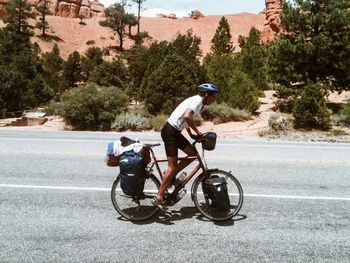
pixel 196 137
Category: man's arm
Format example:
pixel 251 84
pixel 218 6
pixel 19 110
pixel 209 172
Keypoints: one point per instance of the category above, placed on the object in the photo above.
pixel 189 119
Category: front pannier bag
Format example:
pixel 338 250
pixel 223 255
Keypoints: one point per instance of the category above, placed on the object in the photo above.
pixel 132 173
pixel 216 190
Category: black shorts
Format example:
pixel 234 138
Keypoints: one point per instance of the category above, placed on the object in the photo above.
pixel 173 140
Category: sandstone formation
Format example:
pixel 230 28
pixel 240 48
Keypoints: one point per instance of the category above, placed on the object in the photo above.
pixel 67 8
pixel 197 14
pixel 273 23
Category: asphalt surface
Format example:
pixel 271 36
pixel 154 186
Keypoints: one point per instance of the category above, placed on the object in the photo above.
pixel 55 204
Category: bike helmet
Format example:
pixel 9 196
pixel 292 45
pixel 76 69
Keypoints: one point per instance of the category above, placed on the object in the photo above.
pixel 208 87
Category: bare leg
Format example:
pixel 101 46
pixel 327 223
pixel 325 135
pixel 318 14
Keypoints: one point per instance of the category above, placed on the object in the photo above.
pixel 191 151
pixel 173 168
pixel 169 174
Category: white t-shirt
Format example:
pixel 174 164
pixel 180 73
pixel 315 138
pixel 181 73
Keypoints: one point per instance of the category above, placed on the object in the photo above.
pixel 177 119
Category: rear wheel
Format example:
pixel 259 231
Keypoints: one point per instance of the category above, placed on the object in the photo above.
pixel 205 204
pixel 136 208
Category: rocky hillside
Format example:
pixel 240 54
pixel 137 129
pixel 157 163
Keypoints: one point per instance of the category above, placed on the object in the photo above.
pixel 70 35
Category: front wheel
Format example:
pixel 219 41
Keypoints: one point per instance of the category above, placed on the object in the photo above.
pixel 205 204
pixel 135 208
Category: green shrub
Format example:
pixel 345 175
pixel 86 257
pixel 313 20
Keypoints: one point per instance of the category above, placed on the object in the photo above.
pixel 91 106
pixel 345 114
pixel 221 113
pixel 337 132
pixel 310 109
pixel 158 121
pixel 131 120
pixel 243 92
pixel 52 108
pixel 279 123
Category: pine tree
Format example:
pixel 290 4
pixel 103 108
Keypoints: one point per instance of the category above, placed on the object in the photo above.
pixel 315 46
pixel 172 74
pixel 17 14
pixel 252 58
pixel 52 64
pixel 139 6
pixel 221 42
pixel 72 69
pixel 219 70
pixel 43 9
pixel 93 57
pixel 117 19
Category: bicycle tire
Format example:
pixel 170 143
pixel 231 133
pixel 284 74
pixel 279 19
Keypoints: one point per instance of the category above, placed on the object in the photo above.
pixel 203 203
pixel 135 208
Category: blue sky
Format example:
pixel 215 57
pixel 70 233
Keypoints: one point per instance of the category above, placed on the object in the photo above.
pixel 207 7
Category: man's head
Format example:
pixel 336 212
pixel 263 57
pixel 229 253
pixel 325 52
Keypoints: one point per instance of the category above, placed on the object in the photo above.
pixel 208 92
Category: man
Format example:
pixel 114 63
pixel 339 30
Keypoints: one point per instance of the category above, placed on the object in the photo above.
pixel 181 118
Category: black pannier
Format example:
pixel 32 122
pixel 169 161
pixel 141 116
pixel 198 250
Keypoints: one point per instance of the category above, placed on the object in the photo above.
pixel 132 173
pixel 215 188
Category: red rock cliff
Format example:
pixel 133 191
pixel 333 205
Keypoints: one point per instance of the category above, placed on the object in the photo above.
pixel 67 8
pixel 273 22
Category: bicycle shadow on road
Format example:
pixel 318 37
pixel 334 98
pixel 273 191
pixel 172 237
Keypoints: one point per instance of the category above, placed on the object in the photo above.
pixel 187 213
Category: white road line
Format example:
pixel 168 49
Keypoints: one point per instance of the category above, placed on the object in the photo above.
pixel 73 188
pixel 55 187
pixel 299 197
pixel 52 140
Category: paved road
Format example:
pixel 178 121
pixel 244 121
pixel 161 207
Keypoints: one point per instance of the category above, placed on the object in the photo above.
pixel 55 204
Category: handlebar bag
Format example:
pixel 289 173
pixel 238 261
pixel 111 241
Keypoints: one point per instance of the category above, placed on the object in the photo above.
pixel 216 190
pixel 132 173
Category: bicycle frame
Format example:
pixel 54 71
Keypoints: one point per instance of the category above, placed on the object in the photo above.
pixel 201 165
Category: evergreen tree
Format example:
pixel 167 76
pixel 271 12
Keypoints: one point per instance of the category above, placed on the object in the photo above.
pixel 137 60
pixel 221 42
pixel 131 21
pixel 139 4
pixel 180 60
pixel 153 58
pixel 170 83
pixel 252 58
pixel 43 9
pixel 21 85
pixel 117 19
pixel 186 45
pixel 316 44
pixel 243 92
pixel 310 110
pixel 52 64
pixel 17 14
pixel 112 73
pixel 93 58
pixel 219 70
pixel 72 69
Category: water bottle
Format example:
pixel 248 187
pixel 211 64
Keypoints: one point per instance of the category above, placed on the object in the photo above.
pixel 179 179
pixel 181 194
